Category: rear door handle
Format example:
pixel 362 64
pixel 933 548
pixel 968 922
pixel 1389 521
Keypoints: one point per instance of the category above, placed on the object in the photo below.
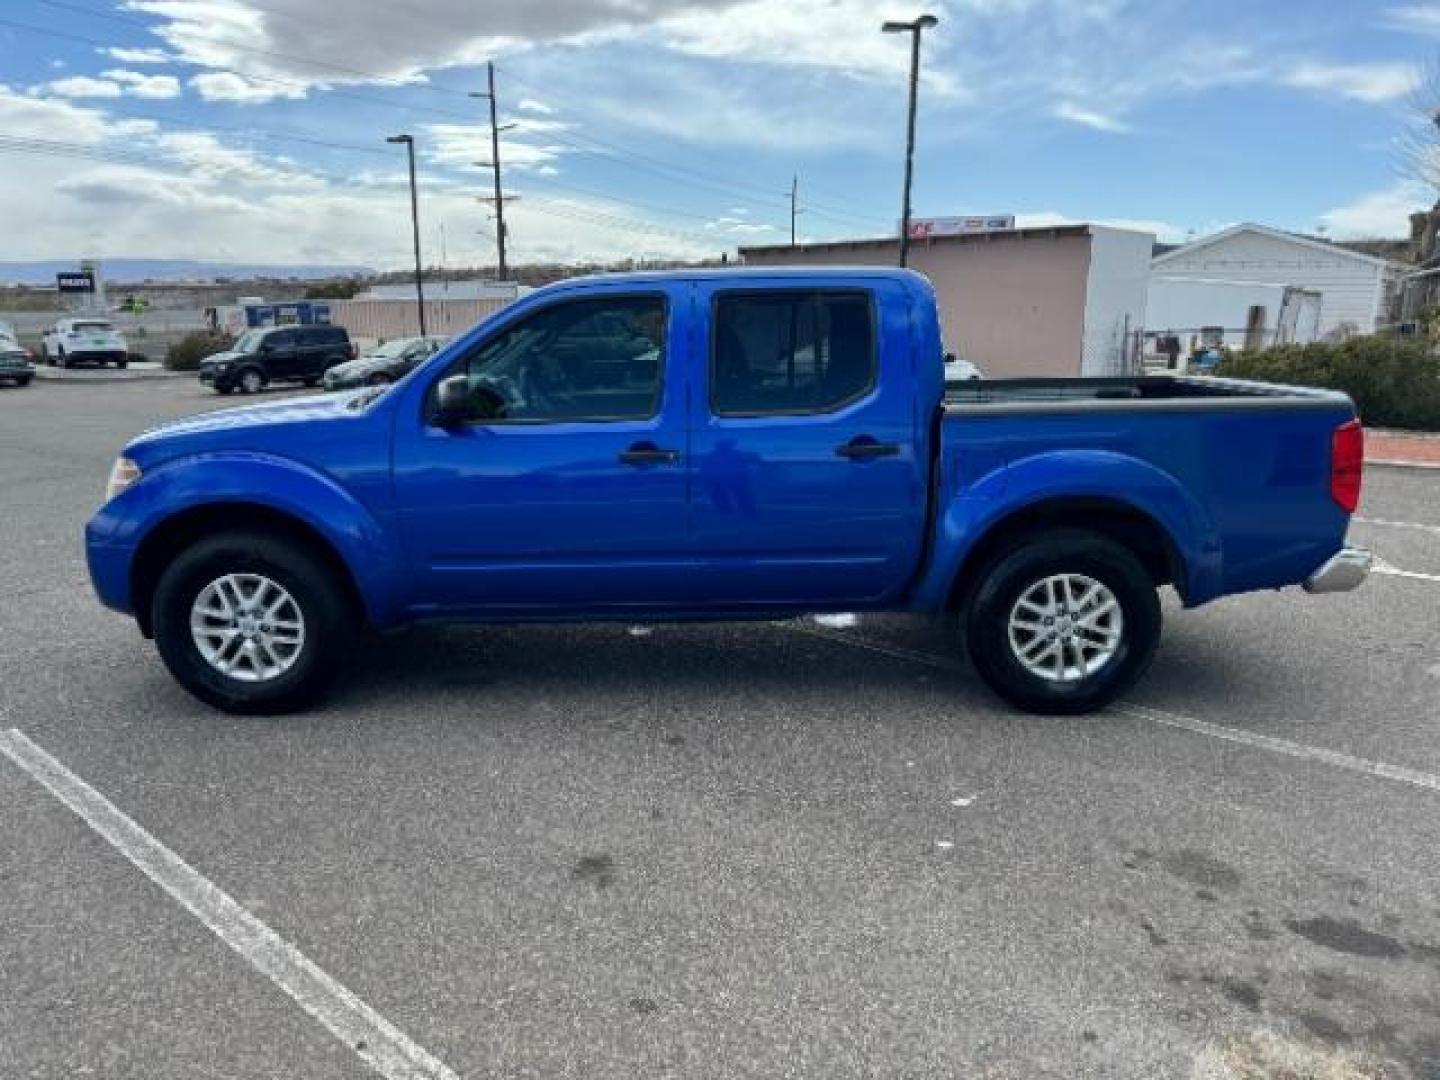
pixel 863 447
pixel 647 453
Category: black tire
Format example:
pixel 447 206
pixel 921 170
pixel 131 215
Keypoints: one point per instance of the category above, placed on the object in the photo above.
pixel 63 360
pixel 1001 584
pixel 23 381
pixel 329 620
pixel 313 381
pixel 223 389
pixel 379 379
pixel 241 379
pixel 122 364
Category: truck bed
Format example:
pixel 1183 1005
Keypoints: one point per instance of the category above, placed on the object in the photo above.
pixel 1142 393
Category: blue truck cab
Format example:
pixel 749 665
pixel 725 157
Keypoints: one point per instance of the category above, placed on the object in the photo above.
pixel 727 444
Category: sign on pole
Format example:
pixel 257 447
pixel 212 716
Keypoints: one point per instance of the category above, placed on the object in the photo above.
pixel 75 281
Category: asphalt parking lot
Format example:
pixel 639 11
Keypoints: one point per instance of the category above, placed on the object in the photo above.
pixel 741 850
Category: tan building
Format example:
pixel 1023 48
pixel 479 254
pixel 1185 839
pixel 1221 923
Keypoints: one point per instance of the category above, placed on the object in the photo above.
pixel 1067 301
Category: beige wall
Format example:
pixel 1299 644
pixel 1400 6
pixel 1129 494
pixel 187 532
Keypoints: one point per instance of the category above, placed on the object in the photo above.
pixel 1014 305
pixel 381 320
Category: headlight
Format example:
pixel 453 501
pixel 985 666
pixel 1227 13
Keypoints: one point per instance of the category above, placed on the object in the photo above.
pixel 122 476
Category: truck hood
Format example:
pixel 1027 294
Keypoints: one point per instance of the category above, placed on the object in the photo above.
pixel 250 423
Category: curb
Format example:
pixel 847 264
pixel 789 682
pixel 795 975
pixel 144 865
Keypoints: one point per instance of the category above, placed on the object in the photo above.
pixel 61 375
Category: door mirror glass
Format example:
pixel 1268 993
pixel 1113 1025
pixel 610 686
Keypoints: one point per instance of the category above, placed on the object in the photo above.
pixel 452 400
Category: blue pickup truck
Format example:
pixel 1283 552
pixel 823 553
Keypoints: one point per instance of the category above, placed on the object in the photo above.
pixel 741 444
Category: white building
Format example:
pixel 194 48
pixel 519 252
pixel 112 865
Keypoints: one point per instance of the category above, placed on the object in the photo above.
pixel 1357 291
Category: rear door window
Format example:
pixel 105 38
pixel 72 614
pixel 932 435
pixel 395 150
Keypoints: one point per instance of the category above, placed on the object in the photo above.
pixel 788 352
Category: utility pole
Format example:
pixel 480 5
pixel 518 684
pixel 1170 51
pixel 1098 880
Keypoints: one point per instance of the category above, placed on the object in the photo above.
pixel 794 188
pixel 924 22
pixel 409 143
pixel 494 163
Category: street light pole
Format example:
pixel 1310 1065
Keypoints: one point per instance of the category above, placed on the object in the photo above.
pixel 409 142
pixel 914 28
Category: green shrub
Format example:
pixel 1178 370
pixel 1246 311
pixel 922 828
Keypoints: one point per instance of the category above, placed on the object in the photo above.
pixel 186 354
pixel 1395 382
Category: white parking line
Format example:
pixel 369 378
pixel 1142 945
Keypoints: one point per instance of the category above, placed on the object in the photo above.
pixel 1380 566
pixel 379 1043
pixel 1389 524
pixel 1377 769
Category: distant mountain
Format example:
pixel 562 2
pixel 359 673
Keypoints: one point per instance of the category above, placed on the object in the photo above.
pixel 135 271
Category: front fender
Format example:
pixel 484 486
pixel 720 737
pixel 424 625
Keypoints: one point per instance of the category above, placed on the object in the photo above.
pixel 1076 474
pixel 119 528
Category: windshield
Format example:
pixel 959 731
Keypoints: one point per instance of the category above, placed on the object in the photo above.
pixel 92 327
pixel 249 341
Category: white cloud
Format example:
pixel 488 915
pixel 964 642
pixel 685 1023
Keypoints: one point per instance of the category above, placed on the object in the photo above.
pixel 840 35
pixel 1091 118
pixel 228 86
pixel 531 105
pixel 461 145
pixel 83 86
pixel 138 84
pixel 137 56
pixel 1414 18
pixel 1382 213
pixel 1371 83
pixel 389 40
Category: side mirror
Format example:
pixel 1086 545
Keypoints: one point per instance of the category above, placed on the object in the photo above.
pixel 452 400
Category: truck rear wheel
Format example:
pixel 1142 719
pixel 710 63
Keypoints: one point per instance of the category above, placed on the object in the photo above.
pixel 252 623
pixel 1064 623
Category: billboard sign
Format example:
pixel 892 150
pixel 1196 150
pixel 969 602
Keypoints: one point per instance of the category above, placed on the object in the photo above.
pixel 927 228
pixel 75 281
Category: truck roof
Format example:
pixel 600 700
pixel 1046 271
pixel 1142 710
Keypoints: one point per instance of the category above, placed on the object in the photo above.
pixel 742 273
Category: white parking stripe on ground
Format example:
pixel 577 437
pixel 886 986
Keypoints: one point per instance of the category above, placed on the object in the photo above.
pixel 1336 758
pixel 1380 566
pixel 1389 524
pixel 382 1045
pixel 1376 769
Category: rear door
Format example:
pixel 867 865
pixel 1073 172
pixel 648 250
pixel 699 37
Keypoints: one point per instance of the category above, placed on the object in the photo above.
pixel 808 488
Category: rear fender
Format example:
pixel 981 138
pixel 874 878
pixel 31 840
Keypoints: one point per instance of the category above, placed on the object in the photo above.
pixel 1099 475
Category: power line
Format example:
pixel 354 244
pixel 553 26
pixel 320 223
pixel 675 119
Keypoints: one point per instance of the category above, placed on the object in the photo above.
pixel 350 94
pixel 638 159
pixel 367 76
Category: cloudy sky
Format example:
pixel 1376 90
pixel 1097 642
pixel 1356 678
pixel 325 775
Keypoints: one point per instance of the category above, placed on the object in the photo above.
pixel 254 129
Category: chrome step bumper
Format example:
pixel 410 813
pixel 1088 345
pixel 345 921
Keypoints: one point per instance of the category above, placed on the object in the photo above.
pixel 1343 571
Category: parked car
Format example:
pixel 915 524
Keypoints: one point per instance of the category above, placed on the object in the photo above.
pixel 783 443
pixel 384 363
pixel 958 369
pixel 15 365
pixel 277 354
pixel 71 342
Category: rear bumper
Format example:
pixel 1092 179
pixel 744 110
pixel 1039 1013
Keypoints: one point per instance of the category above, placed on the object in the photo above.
pixel 1345 570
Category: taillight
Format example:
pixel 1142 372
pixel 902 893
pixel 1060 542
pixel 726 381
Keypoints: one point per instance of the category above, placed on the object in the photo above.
pixel 1347 461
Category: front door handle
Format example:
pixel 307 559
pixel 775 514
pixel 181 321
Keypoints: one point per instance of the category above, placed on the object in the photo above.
pixel 647 453
pixel 863 447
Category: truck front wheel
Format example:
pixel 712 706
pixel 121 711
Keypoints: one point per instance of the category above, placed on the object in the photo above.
pixel 1064 623
pixel 252 623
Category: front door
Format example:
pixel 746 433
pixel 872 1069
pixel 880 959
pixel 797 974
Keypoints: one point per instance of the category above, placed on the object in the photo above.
pixel 566 484
pixel 282 354
pixel 809 489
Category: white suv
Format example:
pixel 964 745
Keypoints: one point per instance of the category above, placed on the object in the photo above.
pixel 84 341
